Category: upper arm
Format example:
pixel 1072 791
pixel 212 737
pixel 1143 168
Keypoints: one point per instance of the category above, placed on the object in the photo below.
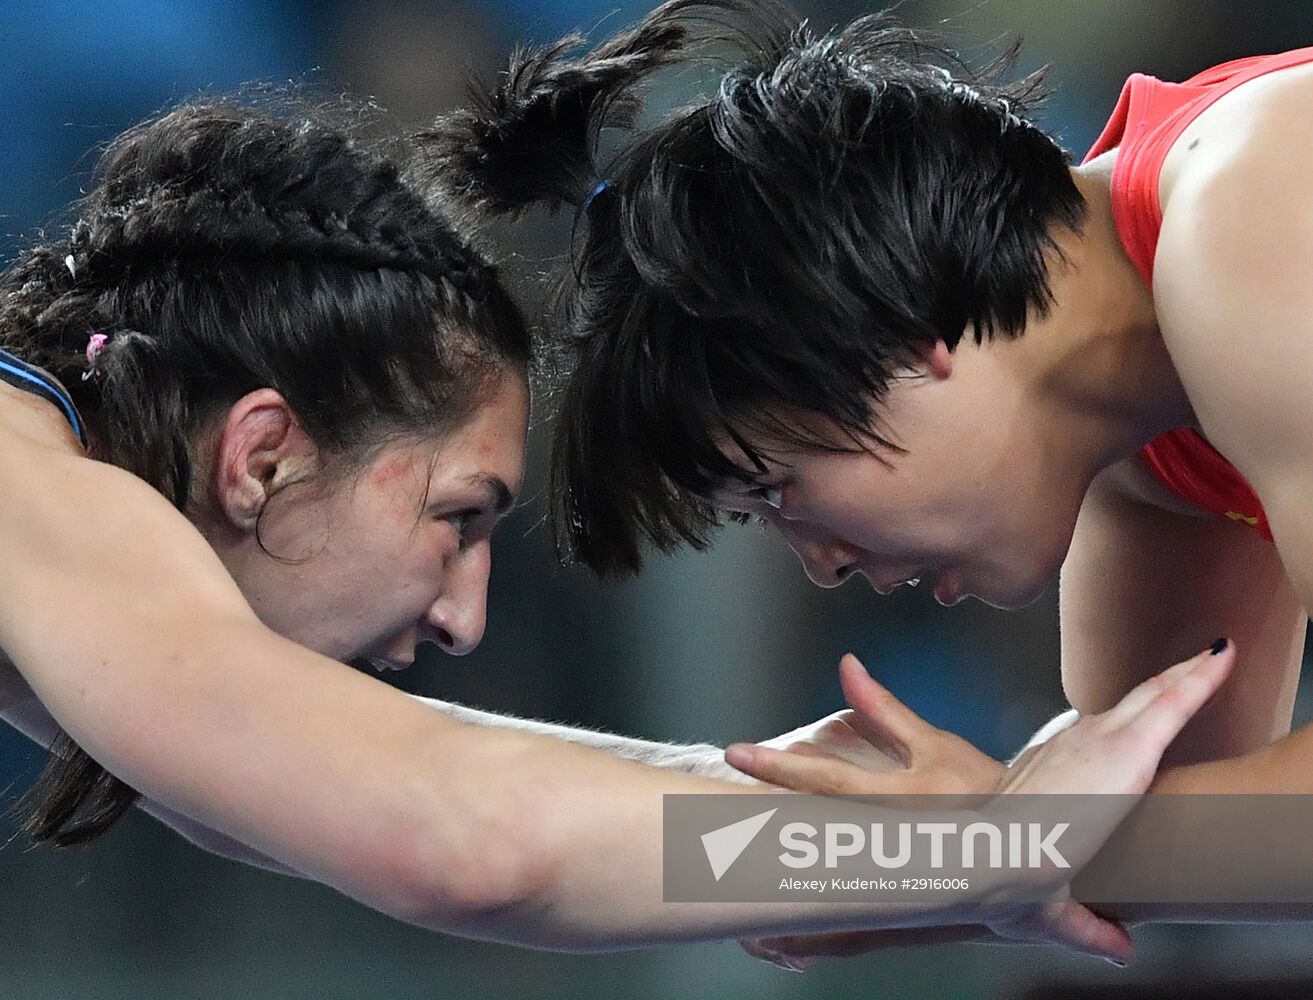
pixel 1234 300
pixel 1144 587
pixel 135 639
pixel 31 719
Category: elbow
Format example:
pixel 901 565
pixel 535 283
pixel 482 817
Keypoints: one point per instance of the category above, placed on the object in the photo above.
pixel 467 893
pixel 489 882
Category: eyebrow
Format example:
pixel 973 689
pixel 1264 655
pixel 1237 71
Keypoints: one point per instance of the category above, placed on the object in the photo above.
pixel 498 492
pixel 737 484
pixel 500 498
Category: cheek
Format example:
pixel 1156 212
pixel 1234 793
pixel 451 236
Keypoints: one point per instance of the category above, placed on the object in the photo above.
pixel 396 587
pixel 431 551
pixel 1021 544
pixel 911 512
pixel 842 496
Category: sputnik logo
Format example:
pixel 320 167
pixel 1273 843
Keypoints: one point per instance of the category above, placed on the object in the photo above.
pixel 723 846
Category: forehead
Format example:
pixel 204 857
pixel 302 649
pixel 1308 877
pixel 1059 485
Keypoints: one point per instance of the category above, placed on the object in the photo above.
pixel 763 445
pixel 500 424
pixel 489 445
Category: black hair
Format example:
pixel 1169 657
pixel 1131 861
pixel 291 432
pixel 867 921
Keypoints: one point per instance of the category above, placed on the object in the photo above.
pixel 784 245
pixel 230 245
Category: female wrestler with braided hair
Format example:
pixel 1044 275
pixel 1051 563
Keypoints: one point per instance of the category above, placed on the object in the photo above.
pixel 260 411
pixel 857 294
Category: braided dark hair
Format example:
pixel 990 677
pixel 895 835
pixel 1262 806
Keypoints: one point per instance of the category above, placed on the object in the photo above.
pixel 783 245
pixel 226 247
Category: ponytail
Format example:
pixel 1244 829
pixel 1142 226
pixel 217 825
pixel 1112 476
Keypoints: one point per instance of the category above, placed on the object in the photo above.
pixel 534 139
pixel 781 245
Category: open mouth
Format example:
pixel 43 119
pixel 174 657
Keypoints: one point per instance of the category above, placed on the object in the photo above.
pixel 382 664
pixel 889 588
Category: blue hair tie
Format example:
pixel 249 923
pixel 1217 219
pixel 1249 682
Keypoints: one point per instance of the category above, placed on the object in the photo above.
pixel 597 189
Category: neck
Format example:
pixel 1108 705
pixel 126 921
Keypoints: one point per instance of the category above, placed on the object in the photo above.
pixel 1099 370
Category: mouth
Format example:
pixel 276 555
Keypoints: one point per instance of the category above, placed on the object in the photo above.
pixel 383 664
pixel 949 588
pixel 884 589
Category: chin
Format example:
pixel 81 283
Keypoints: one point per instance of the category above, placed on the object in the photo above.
pixel 1011 602
pixel 1024 580
pixel 1012 595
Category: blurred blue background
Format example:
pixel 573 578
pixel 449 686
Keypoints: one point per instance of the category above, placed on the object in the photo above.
pixel 729 645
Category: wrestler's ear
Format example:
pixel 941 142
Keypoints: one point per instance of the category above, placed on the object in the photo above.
pixel 933 360
pixel 261 447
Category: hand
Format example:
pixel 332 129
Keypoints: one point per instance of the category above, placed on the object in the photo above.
pixel 878 746
pixel 1114 753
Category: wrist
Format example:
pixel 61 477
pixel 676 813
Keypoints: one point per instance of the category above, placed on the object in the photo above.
pixel 1047 731
pixel 706 761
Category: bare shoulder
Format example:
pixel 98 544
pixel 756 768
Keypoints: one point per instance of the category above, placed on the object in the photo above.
pixel 31 419
pixel 1231 277
pixel 93 549
pixel 1268 114
pixel 29 427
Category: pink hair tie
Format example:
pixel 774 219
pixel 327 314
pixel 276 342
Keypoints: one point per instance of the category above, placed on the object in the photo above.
pixel 94 346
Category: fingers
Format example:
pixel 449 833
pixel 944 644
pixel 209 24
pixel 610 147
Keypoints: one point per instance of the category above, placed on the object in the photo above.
pixel 1074 926
pixel 880 718
pixel 849 944
pixel 1160 721
pixel 1065 923
pixel 758 949
pixel 816 772
pixel 1139 697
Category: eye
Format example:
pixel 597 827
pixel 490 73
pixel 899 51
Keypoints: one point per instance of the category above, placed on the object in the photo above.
pixel 464 521
pixel 771 496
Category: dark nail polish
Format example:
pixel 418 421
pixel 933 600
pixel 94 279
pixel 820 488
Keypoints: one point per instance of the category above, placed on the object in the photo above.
pixel 1219 645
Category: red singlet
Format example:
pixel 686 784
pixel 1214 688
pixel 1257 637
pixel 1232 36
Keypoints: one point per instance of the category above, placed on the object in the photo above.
pixel 1150 116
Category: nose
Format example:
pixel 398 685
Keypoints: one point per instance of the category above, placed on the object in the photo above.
pixel 456 620
pixel 827 561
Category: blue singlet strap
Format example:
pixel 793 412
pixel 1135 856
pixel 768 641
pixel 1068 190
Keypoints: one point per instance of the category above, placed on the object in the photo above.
pixel 21 375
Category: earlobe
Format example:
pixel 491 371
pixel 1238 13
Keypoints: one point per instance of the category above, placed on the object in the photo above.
pixel 933 360
pixel 260 446
pixel 938 360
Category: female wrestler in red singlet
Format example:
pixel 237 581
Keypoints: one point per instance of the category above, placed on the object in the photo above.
pixel 1176 537
pixel 1103 371
pixel 1199 183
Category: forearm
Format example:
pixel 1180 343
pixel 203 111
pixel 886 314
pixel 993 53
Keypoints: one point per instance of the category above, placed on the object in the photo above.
pixel 697 758
pixel 598 883
pixel 1266 851
pixel 1156 844
pixel 594 825
pixel 1284 768
pixel 482 832
pixel 702 759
